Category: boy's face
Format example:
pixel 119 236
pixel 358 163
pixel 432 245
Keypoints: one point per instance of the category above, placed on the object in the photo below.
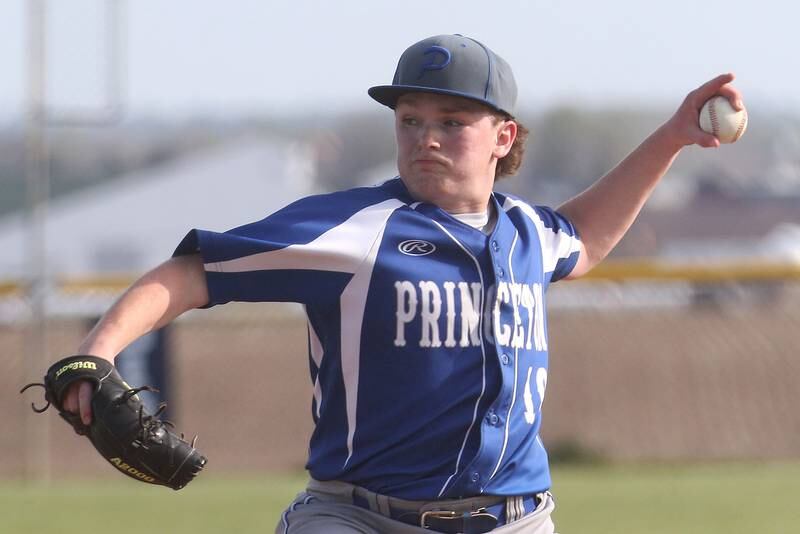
pixel 447 143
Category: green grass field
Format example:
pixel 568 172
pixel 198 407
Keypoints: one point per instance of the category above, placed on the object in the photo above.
pixel 686 499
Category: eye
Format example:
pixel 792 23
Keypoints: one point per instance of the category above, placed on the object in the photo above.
pixel 452 123
pixel 409 121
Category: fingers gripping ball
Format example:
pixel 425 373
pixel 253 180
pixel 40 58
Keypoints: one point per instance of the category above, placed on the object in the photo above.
pixel 136 443
pixel 719 118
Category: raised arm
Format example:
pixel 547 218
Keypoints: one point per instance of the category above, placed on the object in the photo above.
pixel 158 297
pixel 605 211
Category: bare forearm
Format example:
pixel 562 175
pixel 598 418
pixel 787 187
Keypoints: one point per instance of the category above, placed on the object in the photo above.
pixel 154 300
pixel 604 212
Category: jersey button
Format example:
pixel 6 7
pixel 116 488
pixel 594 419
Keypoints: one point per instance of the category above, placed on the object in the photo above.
pixel 493 419
pixel 495 246
pixel 500 272
pixel 505 358
pixel 475 476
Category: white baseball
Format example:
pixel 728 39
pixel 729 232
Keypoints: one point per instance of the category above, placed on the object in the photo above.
pixel 720 119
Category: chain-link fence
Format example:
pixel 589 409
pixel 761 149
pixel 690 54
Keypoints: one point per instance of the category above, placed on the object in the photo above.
pixel 646 363
pixel 699 366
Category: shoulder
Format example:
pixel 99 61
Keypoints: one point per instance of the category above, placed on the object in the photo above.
pixel 307 218
pixel 540 216
pixel 346 202
pixel 334 225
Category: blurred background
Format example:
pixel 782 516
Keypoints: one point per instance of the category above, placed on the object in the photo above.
pixel 123 124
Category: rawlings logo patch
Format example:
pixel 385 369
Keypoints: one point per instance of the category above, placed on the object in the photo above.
pixel 76 365
pixel 416 247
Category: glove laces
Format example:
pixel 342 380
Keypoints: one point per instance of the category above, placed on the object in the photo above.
pixel 33 405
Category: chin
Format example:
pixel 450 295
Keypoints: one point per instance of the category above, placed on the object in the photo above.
pixel 430 180
pixel 436 185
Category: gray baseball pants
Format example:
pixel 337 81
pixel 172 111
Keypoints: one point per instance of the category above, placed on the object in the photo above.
pixel 327 508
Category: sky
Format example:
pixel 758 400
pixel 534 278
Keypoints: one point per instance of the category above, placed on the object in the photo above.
pixel 235 57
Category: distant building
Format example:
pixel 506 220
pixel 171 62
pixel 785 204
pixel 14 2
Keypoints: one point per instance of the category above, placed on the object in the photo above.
pixel 713 226
pixel 131 225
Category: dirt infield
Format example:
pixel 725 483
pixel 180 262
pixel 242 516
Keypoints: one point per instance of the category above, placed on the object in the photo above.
pixel 665 384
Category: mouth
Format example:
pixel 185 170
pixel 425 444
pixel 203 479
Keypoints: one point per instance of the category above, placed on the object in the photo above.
pixel 429 161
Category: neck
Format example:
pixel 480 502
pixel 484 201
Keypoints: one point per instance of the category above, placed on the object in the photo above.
pixel 453 197
pixel 466 207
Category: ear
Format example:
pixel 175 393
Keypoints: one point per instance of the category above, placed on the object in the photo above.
pixel 506 134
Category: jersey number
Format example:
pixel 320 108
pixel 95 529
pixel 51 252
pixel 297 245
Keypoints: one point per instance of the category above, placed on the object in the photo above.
pixel 541 385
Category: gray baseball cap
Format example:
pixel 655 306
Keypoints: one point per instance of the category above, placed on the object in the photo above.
pixel 452 65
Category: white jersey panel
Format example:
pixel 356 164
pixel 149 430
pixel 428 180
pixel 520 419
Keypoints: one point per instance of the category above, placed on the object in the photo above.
pixel 340 249
pixel 353 304
pixel 555 245
pixel 316 352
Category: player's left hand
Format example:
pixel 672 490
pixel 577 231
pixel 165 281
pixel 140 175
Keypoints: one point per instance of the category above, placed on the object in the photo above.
pixel 137 443
pixel 683 127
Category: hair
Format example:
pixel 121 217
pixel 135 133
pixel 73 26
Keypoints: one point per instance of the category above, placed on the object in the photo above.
pixel 509 164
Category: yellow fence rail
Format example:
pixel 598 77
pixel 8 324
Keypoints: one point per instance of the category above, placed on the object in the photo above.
pixel 609 270
pixel 660 271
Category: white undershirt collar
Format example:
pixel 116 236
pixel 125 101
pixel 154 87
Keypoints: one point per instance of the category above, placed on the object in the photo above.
pixel 483 221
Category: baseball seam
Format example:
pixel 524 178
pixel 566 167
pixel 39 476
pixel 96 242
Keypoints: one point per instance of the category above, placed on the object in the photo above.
pixel 740 129
pixel 712 111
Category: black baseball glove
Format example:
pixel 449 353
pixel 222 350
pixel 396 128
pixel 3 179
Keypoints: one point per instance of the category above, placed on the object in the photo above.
pixel 135 442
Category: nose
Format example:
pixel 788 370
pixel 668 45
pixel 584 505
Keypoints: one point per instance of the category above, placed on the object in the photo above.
pixel 429 138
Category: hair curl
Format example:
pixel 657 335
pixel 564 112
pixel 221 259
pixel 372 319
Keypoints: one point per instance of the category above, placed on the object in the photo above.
pixel 509 164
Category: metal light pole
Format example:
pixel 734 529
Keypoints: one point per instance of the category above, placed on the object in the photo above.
pixel 37 176
pixel 37 179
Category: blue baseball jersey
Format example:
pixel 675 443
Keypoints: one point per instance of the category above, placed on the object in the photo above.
pixel 427 337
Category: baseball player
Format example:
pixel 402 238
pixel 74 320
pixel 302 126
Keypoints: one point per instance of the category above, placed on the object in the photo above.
pixel 425 298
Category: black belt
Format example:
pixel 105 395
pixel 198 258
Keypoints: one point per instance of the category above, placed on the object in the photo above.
pixel 473 522
pixel 472 515
pixel 468 516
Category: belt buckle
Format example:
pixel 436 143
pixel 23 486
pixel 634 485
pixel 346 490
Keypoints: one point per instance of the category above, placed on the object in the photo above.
pixel 483 520
pixel 438 514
